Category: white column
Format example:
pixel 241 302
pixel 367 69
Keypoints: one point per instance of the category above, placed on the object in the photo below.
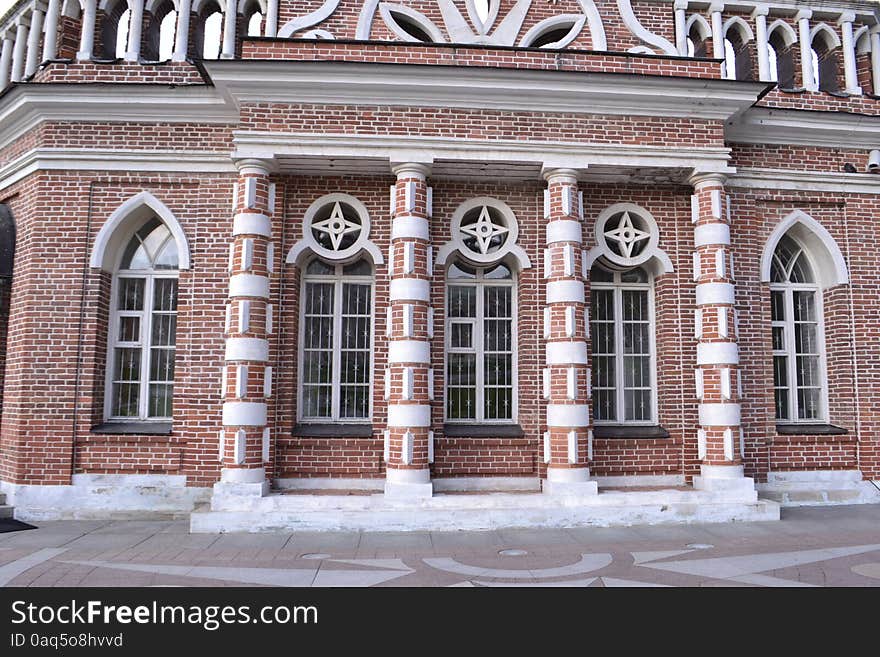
pixel 875 57
pixel 229 29
pixel 21 36
pixel 135 28
pixel 681 44
pixel 87 35
pixel 803 19
pixel 49 41
pixel 181 39
pixel 851 77
pixel 715 10
pixel 5 62
pixel 272 18
pixel 33 47
pixel 760 16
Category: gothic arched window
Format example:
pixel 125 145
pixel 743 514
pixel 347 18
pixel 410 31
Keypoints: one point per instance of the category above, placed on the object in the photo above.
pixel 798 341
pixel 143 327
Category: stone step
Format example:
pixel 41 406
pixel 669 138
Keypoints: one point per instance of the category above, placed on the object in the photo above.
pixel 5 511
pixel 813 496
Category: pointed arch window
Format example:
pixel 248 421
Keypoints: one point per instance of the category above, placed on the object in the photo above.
pixel 798 339
pixel 143 327
pixel 622 340
pixel 480 344
pixel 336 338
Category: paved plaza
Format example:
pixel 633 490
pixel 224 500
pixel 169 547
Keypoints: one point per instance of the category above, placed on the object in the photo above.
pixel 810 546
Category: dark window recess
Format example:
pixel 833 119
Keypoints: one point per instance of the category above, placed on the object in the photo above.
pixel 482 431
pixel 810 430
pixel 632 432
pixel 334 430
pixel 134 428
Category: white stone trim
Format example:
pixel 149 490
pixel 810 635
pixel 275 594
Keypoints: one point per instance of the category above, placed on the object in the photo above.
pixel 409 289
pixel 249 285
pixel 827 258
pixel 715 233
pixel 409 415
pixel 568 475
pixel 564 230
pixel 717 353
pixel 719 415
pixel 244 414
pixel 246 477
pixel 246 223
pixel 408 475
pixel 566 291
pixel 116 231
pixel 715 293
pixel 568 415
pixel 409 351
pixel 566 353
pixel 409 227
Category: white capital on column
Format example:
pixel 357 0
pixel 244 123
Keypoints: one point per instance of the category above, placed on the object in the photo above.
pixel 33 46
pixel 181 39
pixel 875 58
pixel 87 33
pixel 135 26
pixel 760 16
pixel 18 52
pixel 49 41
pixel 803 19
pixel 5 62
pixel 851 77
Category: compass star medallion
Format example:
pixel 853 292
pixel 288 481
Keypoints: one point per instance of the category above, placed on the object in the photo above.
pixel 626 235
pixel 484 230
pixel 336 226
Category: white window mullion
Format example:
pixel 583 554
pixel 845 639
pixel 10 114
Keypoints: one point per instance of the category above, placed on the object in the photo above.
pixel 336 359
pixel 480 357
pixel 618 354
pixel 146 339
pixel 791 350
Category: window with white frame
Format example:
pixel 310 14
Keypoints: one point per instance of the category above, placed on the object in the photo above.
pixel 143 327
pixel 622 336
pixel 796 315
pixel 336 338
pixel 480 344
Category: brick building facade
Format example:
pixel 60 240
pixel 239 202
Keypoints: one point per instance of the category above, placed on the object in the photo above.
pixel 333 263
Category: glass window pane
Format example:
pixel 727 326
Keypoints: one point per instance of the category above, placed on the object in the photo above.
pixel 778 338
pixel 808 371
pixel 806 340
pixel 164 330
pixel 498 272
pixel 637 275
pixel 600 275
pixel 458 270
pixel 637 405
pixel 359 268
pixel 129 329
pixel 602 305
pixel 808 403
pixel 781 400
pixel 777 306
pixel 165 294
pixel 160 400
pixel 462 301
pixel 125 400
pixel 128 364
pixel 780 371
pixel 162 364
pixel 131 294
pixel 804 306
pixel 320 268
pixel 461 335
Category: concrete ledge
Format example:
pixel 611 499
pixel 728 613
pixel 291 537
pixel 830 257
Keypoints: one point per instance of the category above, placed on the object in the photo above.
pixel 464 484
pixel 475 512
pixel 819 488
pixel 112 497
pixel 635 481
pixel 330 483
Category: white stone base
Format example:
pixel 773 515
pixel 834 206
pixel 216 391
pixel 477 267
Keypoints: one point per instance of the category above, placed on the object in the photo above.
pixel 330 483
pixel 229 493
pixel 637 481
pixel 474 512
pixel 727 479
pixel 99 497
pixel 819 488
pixel 568 488
pixel 408 491
pixel 486 484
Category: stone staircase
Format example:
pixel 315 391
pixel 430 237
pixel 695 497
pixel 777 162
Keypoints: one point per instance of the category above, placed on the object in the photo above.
pixel 811 488
pixel 5 509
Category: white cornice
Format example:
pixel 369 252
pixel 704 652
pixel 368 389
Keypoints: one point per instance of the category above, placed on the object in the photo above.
pixel 865 10
pixel 806 181
pixel 571 155
pixel 65 159
pixel 763 125
pixel 26 105
pixel 357 83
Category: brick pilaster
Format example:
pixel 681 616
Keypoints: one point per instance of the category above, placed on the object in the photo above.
pixel 408 434
pixel 717 368
pixel 568 439
pixel 247 379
